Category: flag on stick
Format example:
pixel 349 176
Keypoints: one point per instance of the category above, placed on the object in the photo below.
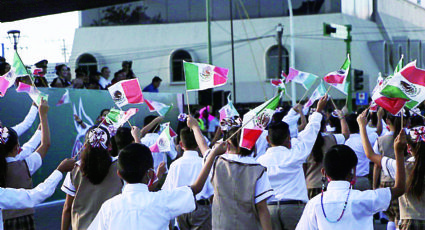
pixel 338 79
pixel 163 143
pixel 33 92
pixel 117 117
pixel 20 68
pixel 65 99
pixel 305 79
pixel 319 92
pixel 201 76
pixel 228 110
pixel 6 81
pixel 164 126
pixel 158 107
pixel 126 92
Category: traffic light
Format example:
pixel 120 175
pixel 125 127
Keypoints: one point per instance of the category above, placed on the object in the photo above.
pixel 358 79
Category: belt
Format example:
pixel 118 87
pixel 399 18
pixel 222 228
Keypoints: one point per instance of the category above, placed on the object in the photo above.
pixel 283 202
pixel 203 202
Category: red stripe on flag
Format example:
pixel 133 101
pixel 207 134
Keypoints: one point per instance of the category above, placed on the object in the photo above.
pixel 292 74
pixel 148 103
pixel 4 85
pixel 414 75
pixel 22 87
pixel 220 75
pixel 132 91
pixel 249 137
pixel 334 78
pixel 392 105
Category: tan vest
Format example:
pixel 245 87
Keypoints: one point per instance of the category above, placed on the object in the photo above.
pixel 386 148
pixel 234 195
pixel 89 197
pixel 411 207
pixel 18 176
pixel 313 175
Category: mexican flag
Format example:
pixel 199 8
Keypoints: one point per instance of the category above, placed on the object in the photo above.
pixel 338 79
pixel 6 81
pixel 201 76
pixel 20 68
pixel 319 92
pixel 126 92
pixel 405 88
pixel 164 126
pixel 228 110
pixel 65 99
pixel 279 84
pixel 163 143
pixel 256 120
pixel 158 107
pixel 117 117
pixel 305 79
pixel 33 92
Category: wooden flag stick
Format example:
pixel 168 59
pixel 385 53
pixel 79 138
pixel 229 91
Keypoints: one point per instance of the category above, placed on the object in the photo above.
pixel 333 103
pixel 305 94
pixel 329 89
pixel 188 108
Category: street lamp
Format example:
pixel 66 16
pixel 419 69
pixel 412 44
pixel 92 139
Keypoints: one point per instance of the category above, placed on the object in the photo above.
pixel 14 34
pixel 279 30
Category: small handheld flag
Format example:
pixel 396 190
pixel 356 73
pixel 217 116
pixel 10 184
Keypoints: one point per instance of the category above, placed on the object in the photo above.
pixel 338 79
pixel 201 76
pixel 6 81
pixel 126 92
pixel 118 117
pixel 158 107
pixel 33 92
pixel 65 99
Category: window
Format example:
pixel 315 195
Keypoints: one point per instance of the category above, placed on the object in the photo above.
pixel 88 62
pixel 272 59
pixel 176 62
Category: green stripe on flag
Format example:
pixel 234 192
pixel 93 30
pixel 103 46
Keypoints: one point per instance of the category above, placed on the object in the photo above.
pixel 394 92
pixel 113 116
pixel 191 76
pixel 411 104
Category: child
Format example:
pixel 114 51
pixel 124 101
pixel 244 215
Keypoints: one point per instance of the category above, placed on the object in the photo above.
pixel 92 182
pixel 342 207
pixel 183 172
pixel 284 162
pixel 19 169
pixel 241 185
pixel 412 204
pixel 138 208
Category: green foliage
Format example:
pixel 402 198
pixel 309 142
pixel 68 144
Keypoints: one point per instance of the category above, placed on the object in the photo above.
pixel 126 15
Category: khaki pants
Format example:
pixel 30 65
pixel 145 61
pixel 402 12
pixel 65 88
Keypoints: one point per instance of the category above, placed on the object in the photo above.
pixel 285 216
pixel 200 219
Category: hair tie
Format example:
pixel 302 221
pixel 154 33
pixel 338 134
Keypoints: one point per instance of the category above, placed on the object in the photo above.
pixel 98 138
pixel 182 117
pixel 417 134
pixel 227 123
pixel 4 135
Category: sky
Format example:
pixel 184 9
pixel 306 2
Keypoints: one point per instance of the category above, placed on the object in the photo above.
pixel 41 37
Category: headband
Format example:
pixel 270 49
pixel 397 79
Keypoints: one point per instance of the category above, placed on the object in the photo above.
pixel 98 138
pixel 417 134
pixel 4 135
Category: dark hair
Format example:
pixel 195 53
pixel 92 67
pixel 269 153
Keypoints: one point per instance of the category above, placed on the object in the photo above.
pixel 278 132
pixel 235 141
pixel 336 123
pixel 148 120
pixel 396 122
pixel 156 79
pixel 416 121
pixel 95 161
pixel 415 180
pixel 123 137
pixel 58 68
pixel 353 126
pixel 317 151
pixel 133 162
pixel 187 137
pixel 338 162
pixel 104 68
pixel 373 118
pixel 5 149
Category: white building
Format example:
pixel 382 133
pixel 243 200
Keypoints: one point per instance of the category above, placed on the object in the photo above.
pixel 382 30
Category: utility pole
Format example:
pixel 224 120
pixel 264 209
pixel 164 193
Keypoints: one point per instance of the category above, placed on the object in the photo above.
pixel 349 101
pixel 64 49
pixel 279 30
pixel 233 52
pixel 205 96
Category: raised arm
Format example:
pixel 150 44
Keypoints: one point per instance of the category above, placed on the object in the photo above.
pixel 192 123
pixel 375 158
pixel 344 126
pixel 203 175
pixel 45 132
pixel 27 122
pixel 400 176
pixel 150 126
pixel 298 108
pixel 135 132
pixel 379 125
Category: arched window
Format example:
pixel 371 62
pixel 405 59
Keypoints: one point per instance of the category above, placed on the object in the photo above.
pixel 88 62
pixel 272 60
pixel 176 62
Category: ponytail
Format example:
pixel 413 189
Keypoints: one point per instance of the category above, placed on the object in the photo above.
pixel 317 151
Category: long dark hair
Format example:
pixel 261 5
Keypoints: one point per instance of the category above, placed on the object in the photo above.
pixel 95 161
pixel 235 142
pixel 6 148
pixel 317 151
pixel 416 179
pixel 396 122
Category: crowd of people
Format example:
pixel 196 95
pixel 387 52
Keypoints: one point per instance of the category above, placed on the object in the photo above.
pixel 320 168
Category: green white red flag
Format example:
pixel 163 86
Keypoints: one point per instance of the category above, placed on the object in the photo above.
pixel 338 79
pixel 65 99
pixel 228 110
pixel 35 94
pixel 126 92
pixel 201 76
pixel 305 79
pixel 163 143
pixel 117 117
pixel 160 108
pixel 319 92
pixel 6 81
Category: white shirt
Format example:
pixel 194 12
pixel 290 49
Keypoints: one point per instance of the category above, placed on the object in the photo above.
pixel 358 215
pixel 355 143
pixel 137 208
pixel 292 120
pixel 262 144
pixel 339 138
pixel 149 139
pixel 27 122
pixel 284 166
pixel 11 198
pixel 389 166
pixel 29 147
pixel 184 172
pixel 104 82
pixel 263 189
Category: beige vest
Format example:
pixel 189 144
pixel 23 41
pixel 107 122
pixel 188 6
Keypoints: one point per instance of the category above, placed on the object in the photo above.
pixel 89 198
pixel 18 176
pixel 386 148
pixel 313 175
pixel 411 207
pixel 234 195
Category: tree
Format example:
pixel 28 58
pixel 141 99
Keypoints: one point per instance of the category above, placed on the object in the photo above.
pixel 126 15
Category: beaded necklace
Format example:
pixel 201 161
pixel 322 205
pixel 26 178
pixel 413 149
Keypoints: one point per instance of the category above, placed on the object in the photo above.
pixel 343 210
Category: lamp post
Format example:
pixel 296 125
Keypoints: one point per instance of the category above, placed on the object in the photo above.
pixel 14 34
pixel 279 30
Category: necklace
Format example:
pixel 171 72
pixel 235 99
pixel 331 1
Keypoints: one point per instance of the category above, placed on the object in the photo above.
pixel 343 210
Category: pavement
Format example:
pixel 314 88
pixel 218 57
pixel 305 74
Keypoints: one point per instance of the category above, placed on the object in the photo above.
pixel 48 216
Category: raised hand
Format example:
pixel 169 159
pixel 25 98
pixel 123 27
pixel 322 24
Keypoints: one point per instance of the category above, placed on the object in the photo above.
pixel 362 119
pixel 400 141
pixel 66 165
pixel 322 103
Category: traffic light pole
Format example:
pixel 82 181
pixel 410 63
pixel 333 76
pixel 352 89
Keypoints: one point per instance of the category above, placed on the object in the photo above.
pixel 349 101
